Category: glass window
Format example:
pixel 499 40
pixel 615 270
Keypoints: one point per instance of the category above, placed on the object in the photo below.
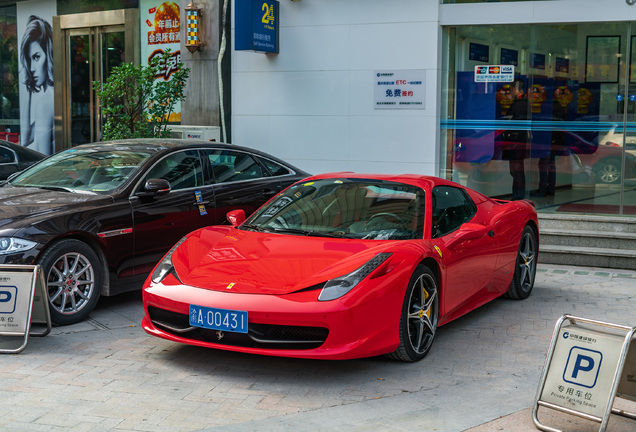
pixel 65 7
pixel 182 170
pixel 83 169
pixel 230 165
pixel 9 95
pixel 274 168
pixel 451 208
pixel 560 133
pixel 349 208
pixel 6 155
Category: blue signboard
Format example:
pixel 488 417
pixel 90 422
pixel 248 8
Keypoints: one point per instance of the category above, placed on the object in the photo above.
pixel 256 25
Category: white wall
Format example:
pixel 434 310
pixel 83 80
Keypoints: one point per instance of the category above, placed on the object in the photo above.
pixel 312 104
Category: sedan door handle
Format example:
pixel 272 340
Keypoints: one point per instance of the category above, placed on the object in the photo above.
pixel 201 203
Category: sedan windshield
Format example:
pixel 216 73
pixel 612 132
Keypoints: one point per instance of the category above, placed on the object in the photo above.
pixel 348 208
pixel 85 170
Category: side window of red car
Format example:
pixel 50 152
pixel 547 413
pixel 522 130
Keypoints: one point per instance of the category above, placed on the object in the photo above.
pixel 451 208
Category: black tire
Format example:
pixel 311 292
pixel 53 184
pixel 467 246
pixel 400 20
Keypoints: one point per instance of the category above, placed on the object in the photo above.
pixel 419 317
pixel 608 171
pixel 73 276
pixel 525 266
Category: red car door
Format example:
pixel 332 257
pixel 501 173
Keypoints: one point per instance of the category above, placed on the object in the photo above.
pixel 467 247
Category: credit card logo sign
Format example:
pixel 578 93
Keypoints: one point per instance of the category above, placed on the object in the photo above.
pixel 8 296
pixel 582 367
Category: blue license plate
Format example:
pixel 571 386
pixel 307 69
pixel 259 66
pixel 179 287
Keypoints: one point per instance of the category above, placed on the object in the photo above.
pixel 218 319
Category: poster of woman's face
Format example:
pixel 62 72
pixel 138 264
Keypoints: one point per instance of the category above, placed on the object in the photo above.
pixel 35 36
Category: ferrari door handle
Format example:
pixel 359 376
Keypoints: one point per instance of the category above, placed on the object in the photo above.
pixel 491 233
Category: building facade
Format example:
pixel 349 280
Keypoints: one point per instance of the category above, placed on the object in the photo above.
pixel 406 86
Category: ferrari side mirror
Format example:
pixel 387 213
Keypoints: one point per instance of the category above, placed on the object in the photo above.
pixel 236 217
pixel 468 231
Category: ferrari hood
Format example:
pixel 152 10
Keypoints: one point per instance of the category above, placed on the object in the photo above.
pixel 228 259
pixel 21 203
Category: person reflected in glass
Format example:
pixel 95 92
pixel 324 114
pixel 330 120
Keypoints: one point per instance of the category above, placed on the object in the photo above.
pixel 36 59
pixel 515 143
pixel 547 164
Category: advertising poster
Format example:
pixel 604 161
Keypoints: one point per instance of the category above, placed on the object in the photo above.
pixel 399 89
pixel 161 30
pixel 35 69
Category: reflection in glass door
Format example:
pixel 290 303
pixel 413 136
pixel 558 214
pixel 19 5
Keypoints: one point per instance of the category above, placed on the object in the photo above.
pixel 90 46
pixel 93 53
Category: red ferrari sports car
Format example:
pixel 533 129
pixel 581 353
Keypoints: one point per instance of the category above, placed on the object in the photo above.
pixel 341 266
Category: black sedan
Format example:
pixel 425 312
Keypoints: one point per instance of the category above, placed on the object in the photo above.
pixel 14 158
pixel 98 217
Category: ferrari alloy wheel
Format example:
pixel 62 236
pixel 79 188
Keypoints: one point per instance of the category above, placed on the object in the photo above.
pixel 420 312
pixel 73 280
pixel 525 266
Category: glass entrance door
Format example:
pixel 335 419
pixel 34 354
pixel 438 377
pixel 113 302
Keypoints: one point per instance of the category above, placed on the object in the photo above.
pixel 91 44
pixel 93 53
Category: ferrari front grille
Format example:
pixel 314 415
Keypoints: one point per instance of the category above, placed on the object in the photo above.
pixel 265 336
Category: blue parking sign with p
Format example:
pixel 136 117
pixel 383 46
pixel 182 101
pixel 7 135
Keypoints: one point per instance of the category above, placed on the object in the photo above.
pixel 582 367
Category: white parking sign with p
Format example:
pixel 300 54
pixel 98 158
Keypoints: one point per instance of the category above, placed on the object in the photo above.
pixel 583 366
pixel 582 369
pixel 8 295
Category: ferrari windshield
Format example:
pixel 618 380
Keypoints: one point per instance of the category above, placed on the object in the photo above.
pixel 87 170
pixel 348 208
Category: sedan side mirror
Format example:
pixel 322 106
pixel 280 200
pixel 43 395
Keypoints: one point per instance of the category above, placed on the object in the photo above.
pixel 468 231
pixel 236 217
pixel 154 187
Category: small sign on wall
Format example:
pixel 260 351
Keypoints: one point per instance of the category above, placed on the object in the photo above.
pixel 399 89
pixel 256 26
pixel 495 73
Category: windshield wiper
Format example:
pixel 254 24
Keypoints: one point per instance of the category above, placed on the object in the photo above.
pixel 304 232
pixel 253 227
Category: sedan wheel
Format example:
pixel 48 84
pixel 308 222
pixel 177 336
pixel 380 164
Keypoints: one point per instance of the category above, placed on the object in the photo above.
pixel 608 171
pixel 420 312
pixel 73 280
pixel 525 266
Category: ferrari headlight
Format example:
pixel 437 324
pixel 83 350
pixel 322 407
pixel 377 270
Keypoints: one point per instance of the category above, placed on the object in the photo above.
pixel 165 265
pixel 12 245
pixel 336 288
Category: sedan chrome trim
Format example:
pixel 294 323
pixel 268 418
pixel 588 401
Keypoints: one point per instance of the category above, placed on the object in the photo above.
pixel 114 233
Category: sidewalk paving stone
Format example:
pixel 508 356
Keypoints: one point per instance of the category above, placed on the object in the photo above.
pixel 482 374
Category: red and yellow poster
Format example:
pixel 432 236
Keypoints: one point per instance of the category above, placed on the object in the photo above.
pixel 160 31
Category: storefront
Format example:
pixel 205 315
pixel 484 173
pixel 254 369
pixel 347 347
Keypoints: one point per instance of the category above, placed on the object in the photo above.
pixel 53 54
pixel 376 86
pixel 579 79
